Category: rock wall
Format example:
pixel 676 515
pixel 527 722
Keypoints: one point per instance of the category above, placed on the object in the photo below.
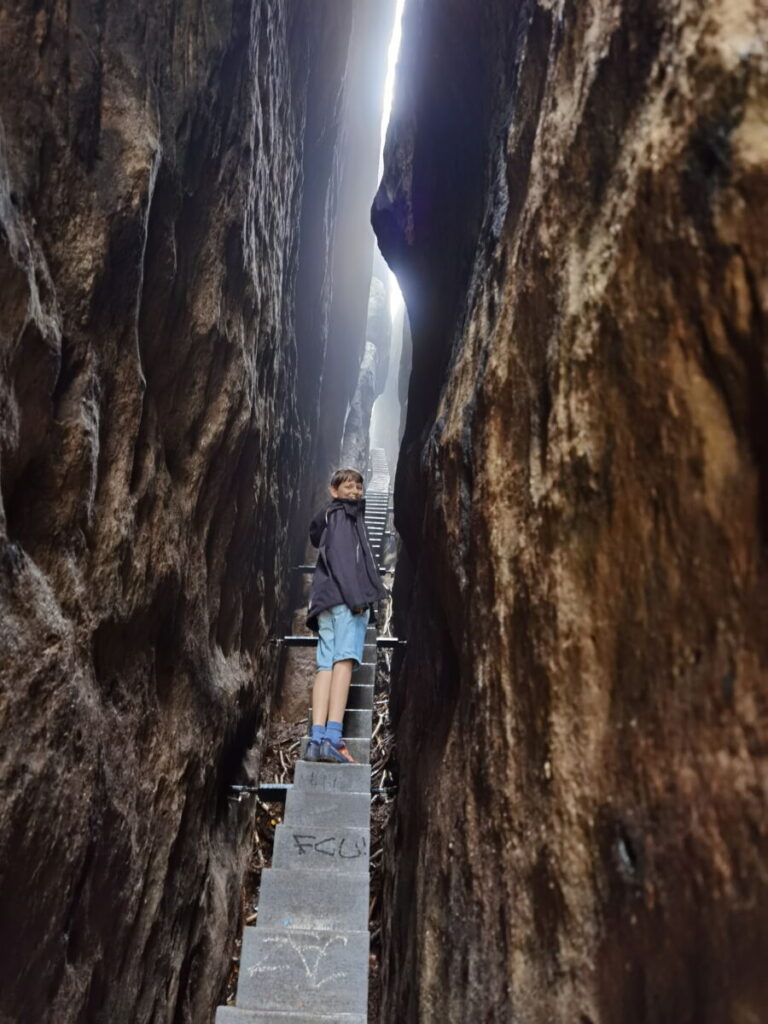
pixel 387 410
pixel 374 368
pixel 157 410
pixel 574 200
pixel 353 254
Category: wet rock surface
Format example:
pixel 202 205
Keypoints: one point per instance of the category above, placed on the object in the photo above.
pixel 571 199
pixel 157 405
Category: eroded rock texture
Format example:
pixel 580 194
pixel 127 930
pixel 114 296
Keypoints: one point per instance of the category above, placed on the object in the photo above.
pixel 156 418
pixel 388 409
pixel 356 443
pixel 575 199
pixel 344 319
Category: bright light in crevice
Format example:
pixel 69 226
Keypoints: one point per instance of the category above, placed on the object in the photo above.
pixel 389 81
pixel 395 297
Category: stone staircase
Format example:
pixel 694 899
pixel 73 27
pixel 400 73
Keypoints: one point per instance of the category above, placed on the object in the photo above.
pixel 376 518
pixel 306 959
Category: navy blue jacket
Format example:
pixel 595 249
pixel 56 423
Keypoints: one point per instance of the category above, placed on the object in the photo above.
pixel 346 572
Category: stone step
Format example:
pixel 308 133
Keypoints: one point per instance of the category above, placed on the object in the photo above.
pixel 359 748
pixel 370 653
pixel 321 848
pixel 295 971
pixel 317 777
pixel 299 899
pixel 364 674
pixel 358 722
pixel 347 809
pixel 360 696
pixel 233 1015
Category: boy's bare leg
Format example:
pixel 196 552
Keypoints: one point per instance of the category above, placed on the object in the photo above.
pixel 321 692
pixel 342 677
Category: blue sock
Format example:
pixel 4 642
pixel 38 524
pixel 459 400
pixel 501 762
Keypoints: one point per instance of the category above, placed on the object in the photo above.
pixel 333 733
pixel 318 733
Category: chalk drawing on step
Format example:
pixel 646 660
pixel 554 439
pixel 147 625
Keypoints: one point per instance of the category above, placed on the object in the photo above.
pixel 358 847
pixel 318 781
pixel 310 954
pixel 329 846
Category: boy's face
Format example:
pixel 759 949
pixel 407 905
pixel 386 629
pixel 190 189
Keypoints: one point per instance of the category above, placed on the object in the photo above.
pixel 348 489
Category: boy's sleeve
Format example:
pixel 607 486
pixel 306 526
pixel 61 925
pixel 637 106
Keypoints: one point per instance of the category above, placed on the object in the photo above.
pixel 316 528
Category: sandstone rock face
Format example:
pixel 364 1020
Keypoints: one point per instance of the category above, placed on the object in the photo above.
pixel 353 255
pixel 356 443
pixel 387 412
pixel 575 199
pixel 157 406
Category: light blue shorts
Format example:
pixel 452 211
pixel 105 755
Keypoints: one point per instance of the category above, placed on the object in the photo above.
pixel 342 635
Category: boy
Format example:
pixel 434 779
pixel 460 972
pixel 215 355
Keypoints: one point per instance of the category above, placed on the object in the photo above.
pixel 345 585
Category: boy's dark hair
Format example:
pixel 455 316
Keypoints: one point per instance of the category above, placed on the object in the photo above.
pixel 341 475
